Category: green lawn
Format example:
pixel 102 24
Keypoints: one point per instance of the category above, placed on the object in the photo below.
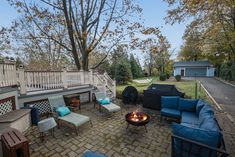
pixel 188 87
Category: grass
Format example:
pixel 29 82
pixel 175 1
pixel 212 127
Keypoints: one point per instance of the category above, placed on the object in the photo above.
pixel 188 87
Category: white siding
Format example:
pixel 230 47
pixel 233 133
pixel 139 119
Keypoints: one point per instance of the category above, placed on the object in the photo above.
pixel 210 72
pixel 177 71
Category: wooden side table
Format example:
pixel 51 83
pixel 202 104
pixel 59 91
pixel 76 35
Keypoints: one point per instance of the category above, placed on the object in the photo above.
pixel 45 125
pixel 13 142
pixel 75 103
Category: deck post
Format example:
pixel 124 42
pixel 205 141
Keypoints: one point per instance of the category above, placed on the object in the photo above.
pixel 91 77
pixel 22 81
pixel 114 88
pixel 64 79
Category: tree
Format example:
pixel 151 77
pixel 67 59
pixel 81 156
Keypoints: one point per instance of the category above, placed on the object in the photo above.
pixel 135 67
pixel 214 19
pixel 155 46
pixel 86 24
pixel 191 50
pixel 123 72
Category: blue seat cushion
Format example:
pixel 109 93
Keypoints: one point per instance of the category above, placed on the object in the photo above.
pixel 173 113
pixel 210 124
pixel 170 102
pixel 190 118
pixel 200 105
pixel 210 138
pixel 93 154
pixel 187 104
pixel 189 125
pixel 62 111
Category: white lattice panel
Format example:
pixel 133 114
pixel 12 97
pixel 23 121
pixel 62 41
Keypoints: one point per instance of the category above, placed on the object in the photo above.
pixel 6 107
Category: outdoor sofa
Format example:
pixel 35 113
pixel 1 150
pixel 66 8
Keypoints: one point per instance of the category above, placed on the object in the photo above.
pixel 198 134
pixel 152 95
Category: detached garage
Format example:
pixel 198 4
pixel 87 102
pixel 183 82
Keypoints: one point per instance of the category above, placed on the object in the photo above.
pixel 194 68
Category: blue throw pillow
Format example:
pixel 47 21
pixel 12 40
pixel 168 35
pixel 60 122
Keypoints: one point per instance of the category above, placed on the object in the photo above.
pixel 200 105
pixel 188 105
pixel 105 101
pixel 210 138
pixel 170 102
pixel 62 111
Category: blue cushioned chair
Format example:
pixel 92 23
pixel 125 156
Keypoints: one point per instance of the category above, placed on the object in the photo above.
pixel 169 105
pixel 105 103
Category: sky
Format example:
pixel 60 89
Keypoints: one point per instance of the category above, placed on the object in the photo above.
pixel 153 13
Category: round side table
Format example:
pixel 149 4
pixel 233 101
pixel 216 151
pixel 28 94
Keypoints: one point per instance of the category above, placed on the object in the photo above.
pixel 45 125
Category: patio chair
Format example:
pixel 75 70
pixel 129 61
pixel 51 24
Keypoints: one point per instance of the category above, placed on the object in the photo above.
pixel 110 107
pixel 72 118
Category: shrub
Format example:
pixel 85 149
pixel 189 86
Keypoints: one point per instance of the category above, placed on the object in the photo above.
pixel 162 77
pixel 167 75
pixel 178 77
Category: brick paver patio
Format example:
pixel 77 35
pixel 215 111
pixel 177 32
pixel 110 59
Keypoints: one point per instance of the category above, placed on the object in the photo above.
pixel 109 135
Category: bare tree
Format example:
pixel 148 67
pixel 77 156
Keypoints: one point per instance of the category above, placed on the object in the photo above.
pixel 87 24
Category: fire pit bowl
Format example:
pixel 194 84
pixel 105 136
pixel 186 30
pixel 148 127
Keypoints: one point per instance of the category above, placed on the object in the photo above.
pixel 137 119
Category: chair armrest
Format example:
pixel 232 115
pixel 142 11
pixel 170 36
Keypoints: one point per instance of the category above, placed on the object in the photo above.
pixel 54 114
pixel 221 152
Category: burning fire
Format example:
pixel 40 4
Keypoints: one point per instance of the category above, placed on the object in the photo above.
pixel 137 117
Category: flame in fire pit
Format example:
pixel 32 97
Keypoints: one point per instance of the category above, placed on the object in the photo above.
pixel 137 117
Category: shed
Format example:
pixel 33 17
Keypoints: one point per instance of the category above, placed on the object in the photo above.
pixel 194 69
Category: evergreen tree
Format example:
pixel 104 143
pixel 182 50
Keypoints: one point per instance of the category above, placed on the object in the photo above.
pixel 123 72
pixel 135 67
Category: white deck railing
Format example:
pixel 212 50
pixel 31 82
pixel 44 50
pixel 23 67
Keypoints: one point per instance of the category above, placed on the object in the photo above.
pixel 29 81
pixel 7 74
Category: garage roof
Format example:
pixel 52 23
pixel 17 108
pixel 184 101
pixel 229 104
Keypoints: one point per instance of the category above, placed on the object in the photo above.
pixel 192 64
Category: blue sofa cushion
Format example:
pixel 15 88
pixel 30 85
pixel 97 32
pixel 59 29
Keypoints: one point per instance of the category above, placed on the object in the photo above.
pixel 170 102
pixel 200 105
pixel 173 113
pixel 93 154
pixel 187 104
pixel 206 112
pixel 190 118
pixel 209 124
pixel 210 138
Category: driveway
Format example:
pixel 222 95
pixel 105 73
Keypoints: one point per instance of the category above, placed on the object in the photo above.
pixel 223 94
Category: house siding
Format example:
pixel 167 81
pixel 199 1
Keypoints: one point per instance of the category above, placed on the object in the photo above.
pixel 200 71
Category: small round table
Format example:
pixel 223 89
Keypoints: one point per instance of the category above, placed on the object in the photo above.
pixel 45 125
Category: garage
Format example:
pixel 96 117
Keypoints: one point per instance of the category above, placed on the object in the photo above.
pixel 198 72
pixel 194 68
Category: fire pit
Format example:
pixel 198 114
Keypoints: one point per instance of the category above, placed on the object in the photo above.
pixel 137 119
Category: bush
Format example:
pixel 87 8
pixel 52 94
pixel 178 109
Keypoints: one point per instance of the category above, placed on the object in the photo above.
pixel 167 75
pixel 178 77
pixel 162 77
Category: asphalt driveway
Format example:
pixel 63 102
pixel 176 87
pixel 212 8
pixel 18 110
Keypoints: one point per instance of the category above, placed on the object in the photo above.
pixel 223 94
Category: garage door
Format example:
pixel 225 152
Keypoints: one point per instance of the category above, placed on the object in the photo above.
pixel 191 72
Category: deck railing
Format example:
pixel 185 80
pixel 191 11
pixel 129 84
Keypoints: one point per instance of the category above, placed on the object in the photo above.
pixel 7 74
pixel 29 81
